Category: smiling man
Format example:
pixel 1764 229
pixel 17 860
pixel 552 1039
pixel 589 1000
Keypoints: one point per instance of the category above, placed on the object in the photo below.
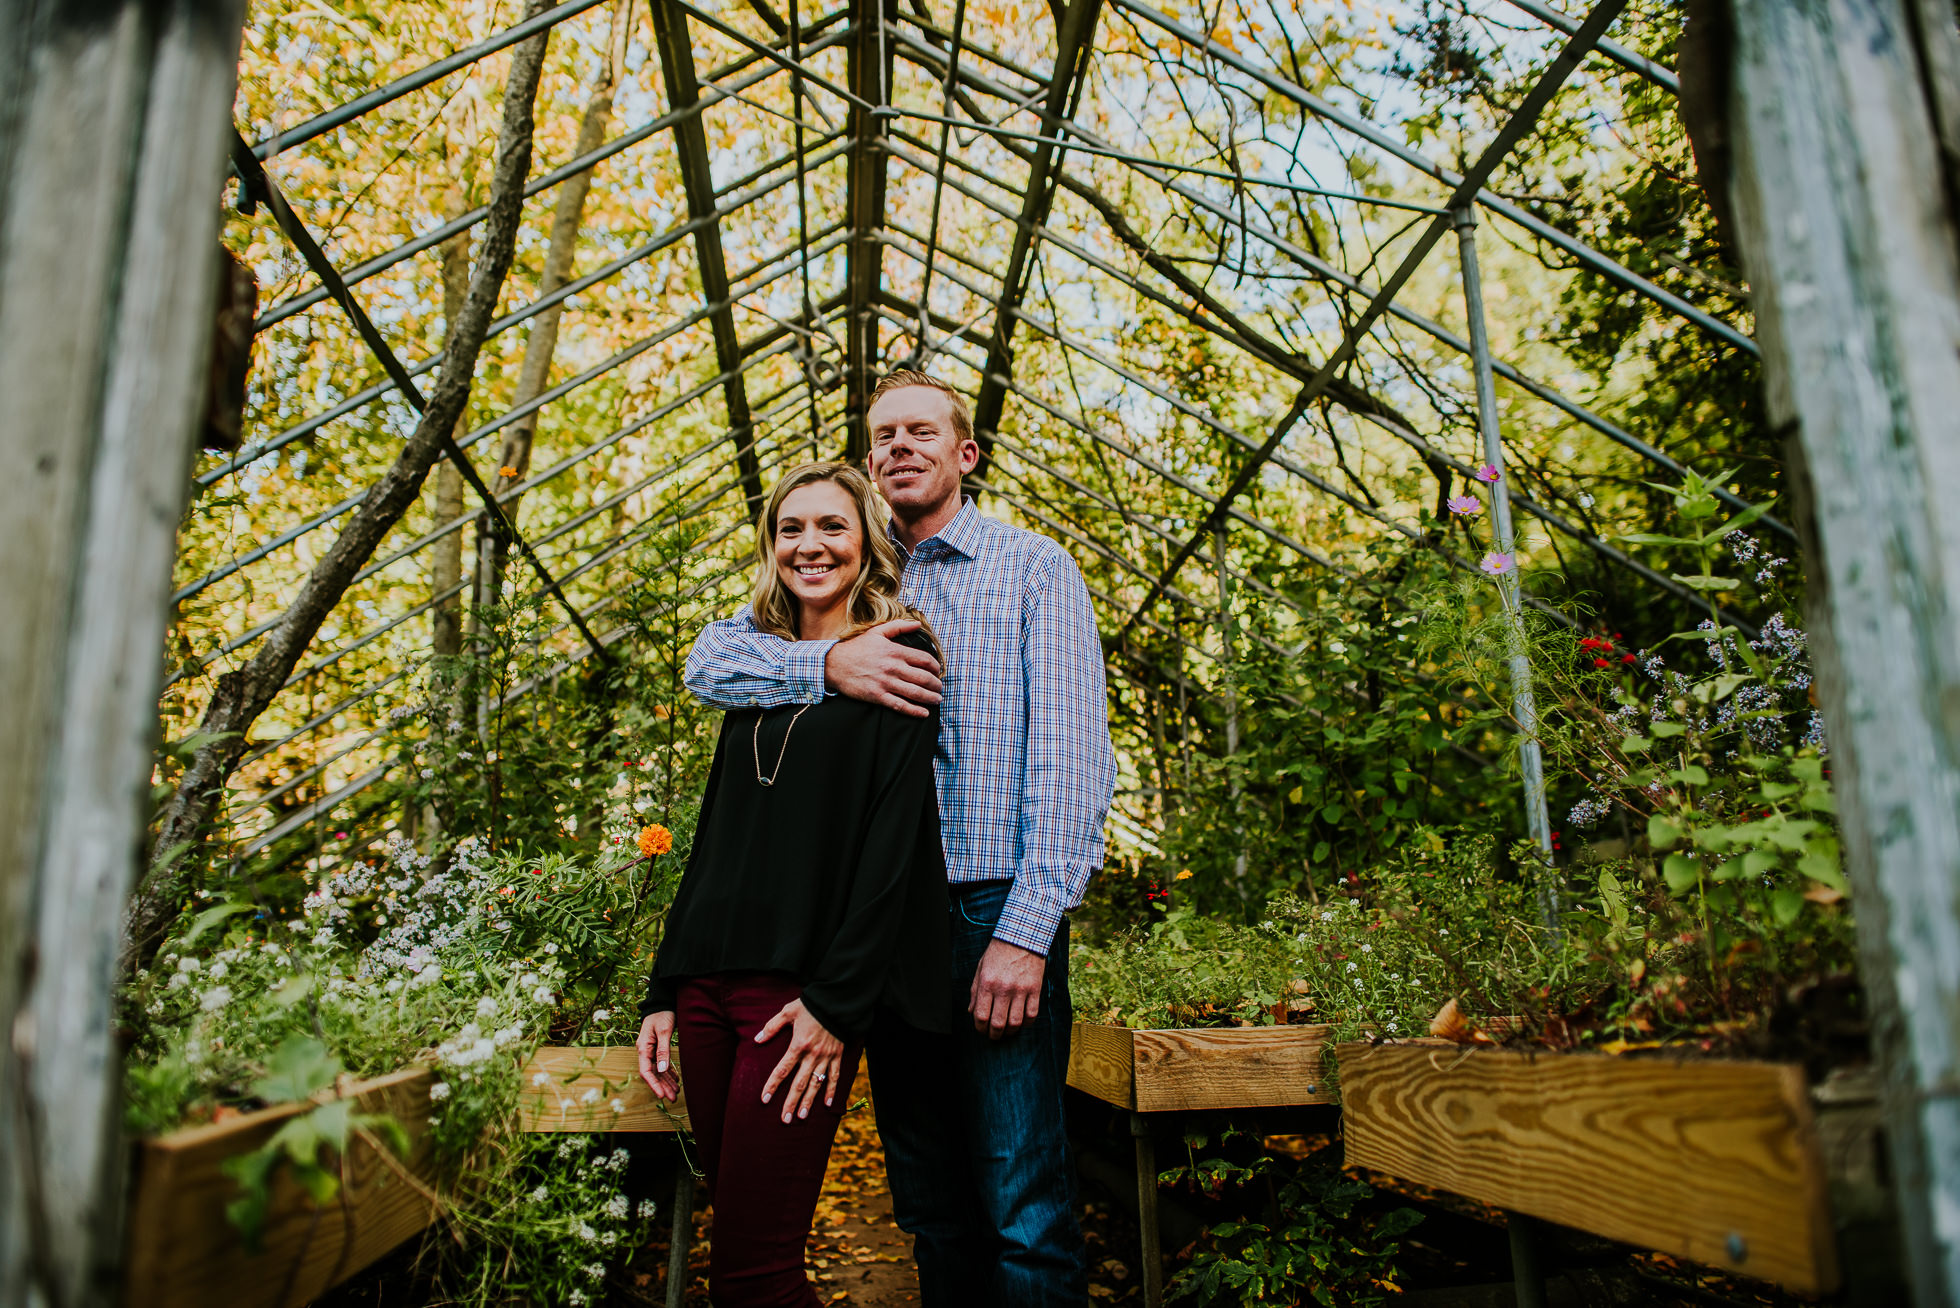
pixel 972 1123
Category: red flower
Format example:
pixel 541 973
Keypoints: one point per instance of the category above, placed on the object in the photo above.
pixel 1602 663
pixel 1626 658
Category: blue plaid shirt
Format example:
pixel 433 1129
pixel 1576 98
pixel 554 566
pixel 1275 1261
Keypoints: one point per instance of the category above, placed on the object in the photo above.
pixel 1024 763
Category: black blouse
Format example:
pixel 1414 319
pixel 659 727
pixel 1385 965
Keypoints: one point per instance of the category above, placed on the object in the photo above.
pixel 833 874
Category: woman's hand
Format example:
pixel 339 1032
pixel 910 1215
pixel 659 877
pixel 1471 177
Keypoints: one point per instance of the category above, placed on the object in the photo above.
pixel 815 1057
pixel 656 1063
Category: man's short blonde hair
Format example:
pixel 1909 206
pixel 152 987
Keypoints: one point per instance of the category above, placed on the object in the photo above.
pixel 900 378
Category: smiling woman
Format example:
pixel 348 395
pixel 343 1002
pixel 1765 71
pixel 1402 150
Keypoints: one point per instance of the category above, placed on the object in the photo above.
pixel 826 566
pixel 814 901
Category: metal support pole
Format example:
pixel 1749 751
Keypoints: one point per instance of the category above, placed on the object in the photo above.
pixel 1524 705
pixel 683 1233
pixel 1527 1262
pixel 1220 530
pixel 1147 1235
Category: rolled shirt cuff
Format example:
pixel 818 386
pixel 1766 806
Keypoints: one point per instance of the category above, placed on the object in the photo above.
pixel 803 669
pixel 1031 918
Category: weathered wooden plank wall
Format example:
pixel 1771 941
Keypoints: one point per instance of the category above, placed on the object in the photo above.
pixel 1842 112
pixel 112 128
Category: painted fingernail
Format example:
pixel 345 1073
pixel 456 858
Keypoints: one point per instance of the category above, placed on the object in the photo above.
pixel 663 1065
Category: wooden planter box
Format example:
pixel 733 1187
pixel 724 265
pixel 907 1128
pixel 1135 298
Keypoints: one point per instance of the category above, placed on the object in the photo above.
pixel 1208 1067
pixel 1712 1160
pixel 613 1072
pixel 184 1252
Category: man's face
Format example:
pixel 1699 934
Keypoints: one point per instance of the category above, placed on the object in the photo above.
pixel 916 457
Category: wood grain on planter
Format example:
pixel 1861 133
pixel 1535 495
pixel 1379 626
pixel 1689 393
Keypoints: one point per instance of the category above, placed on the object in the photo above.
pixel 184 1253
pixel 1201 1068
pixel 607 1073
pixel 1711 1160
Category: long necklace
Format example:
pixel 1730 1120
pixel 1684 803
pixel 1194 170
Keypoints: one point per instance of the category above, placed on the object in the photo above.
pixel 776 771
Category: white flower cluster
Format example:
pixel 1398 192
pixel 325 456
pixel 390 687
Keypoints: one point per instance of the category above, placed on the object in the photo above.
pixel 471 1047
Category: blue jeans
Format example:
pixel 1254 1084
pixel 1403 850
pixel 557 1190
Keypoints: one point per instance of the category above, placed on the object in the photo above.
pixel 975 1145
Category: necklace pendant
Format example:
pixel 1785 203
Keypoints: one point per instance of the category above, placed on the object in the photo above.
pixel 767 781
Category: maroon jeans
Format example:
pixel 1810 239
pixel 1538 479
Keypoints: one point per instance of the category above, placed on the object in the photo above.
pixel 763 1175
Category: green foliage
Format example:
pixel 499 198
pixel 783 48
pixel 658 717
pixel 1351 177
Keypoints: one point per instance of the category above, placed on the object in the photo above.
pixel 1346 747
pixel 1182 970
pixel 465 966
pixel 1320 1241
pixel 307 1147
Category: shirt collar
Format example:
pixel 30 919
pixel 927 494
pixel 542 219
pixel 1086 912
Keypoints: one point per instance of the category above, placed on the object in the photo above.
pixel 961 535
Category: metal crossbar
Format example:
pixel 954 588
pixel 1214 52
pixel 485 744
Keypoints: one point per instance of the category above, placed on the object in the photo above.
pixel 964 74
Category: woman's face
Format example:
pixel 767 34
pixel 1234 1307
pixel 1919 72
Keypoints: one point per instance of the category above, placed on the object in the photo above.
pixel 819 547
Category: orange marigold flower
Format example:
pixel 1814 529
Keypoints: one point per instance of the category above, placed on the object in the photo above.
pixel 507 471
pixel 655 839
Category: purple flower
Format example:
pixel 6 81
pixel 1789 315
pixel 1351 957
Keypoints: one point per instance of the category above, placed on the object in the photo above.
pixel 1496 565
pixel 1465 504
pixel 1487 472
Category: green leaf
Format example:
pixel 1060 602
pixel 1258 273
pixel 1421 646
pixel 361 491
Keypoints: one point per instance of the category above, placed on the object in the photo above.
pixel 1725 685
pixel 1702 581
pixel 1691 775
pixel 298 1068
pixel 1728 871
pixel 1662 832
pixel 1296 794
pixel 1820 863
pixel 1739 521
pixel 1332 813
pixel 1663 730
pixel 1635 745
pixel 210 917
pixel 1649 538
pixel 1758 861
pixel 292 991
pixel 1681 872
pixel 1789 833
pixel 1786 905
pixel 1715 837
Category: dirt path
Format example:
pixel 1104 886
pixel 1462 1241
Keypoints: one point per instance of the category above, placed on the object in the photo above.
pixel 858 1258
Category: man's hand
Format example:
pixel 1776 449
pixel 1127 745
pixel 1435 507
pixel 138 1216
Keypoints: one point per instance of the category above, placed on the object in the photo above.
pixel 1006 989
pixel 871 666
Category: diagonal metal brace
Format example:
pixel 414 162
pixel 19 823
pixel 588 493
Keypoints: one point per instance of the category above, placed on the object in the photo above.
pixel 1515 130
pixel 261 188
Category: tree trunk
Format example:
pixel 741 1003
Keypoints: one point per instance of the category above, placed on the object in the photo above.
pixel 1846 221
pixel 542 343
pixel 446 569
pixel 242 695
pixel 113 131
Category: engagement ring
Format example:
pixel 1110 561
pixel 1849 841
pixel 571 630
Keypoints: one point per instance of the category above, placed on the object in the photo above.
pixel 821 1077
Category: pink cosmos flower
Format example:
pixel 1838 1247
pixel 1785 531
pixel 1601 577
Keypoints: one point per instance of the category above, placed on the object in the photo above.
pixel 1487 473
pixel 1465 504
pixel 1496 565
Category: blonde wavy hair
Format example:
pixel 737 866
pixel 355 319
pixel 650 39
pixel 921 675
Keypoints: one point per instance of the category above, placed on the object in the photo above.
pixel 874 595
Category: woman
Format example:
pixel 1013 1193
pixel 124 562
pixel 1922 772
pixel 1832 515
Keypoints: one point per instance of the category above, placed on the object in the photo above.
pixel 815 896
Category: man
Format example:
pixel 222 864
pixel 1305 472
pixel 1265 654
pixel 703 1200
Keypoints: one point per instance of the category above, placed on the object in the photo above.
pixel 972 1123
